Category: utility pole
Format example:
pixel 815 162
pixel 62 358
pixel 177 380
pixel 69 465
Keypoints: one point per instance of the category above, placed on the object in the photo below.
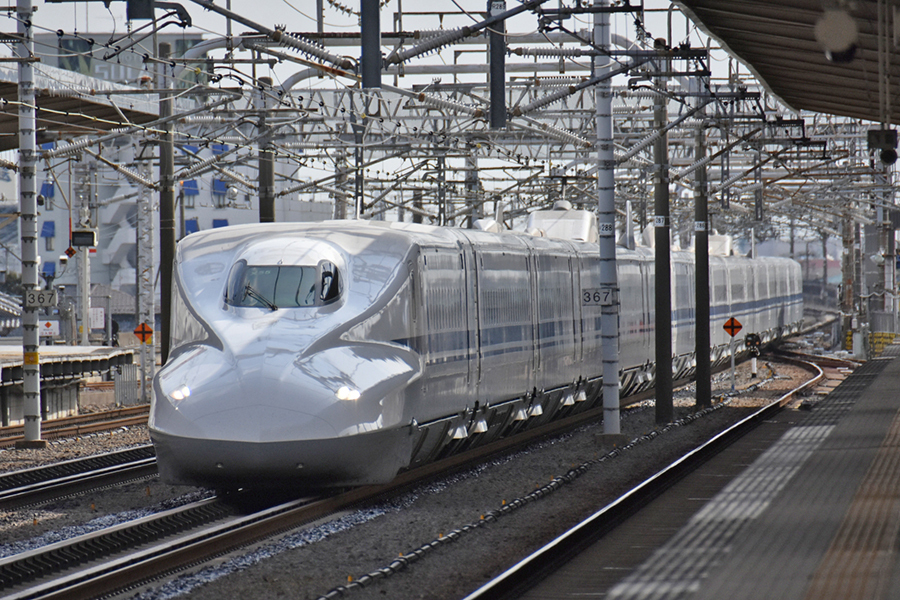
pixel 662 227
pixel 701 275
pixel 497 63
pixel 31 368
pixel 606 213
pixel 166 200
pixel 266 157
pixel 146 302
pixel 370 38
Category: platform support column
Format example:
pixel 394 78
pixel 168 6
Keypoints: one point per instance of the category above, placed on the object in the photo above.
pixel 606 213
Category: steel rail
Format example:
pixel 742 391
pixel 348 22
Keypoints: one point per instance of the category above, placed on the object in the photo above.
pixel 22 573
pixel 78 424
pixel 32 486
pixel 117 572
pixel 537 566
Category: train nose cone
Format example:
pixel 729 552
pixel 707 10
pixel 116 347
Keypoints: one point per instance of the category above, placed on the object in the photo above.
pixel 202 395
pixel 335 417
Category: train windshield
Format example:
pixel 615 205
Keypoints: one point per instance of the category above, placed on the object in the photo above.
pixel 278 286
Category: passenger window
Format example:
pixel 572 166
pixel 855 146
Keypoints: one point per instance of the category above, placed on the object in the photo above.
pixel 330 283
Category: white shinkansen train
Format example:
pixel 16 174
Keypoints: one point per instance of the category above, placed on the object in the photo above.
pixel 331 354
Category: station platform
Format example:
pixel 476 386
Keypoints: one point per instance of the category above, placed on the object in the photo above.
pixel 816 516
pixel 62 369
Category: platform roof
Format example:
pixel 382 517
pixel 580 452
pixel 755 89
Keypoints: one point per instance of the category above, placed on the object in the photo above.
pixel 72 104
pixel 775 39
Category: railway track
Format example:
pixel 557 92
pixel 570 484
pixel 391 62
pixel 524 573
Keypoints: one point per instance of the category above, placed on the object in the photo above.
pixel 31 486
pixel 533 569
pixel 79 424
pixel 98 564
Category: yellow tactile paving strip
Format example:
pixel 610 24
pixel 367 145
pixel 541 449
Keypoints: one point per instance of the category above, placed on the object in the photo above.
pixel 859 563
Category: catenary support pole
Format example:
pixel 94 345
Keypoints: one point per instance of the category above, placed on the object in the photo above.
pixel 84 281
pixel 606 212
pixel 662 228
pixel 146 301
pixel 370 39
pixel 266 156
pixel 701 275
pixel 31 368
pixel 497 63
pixel 166 203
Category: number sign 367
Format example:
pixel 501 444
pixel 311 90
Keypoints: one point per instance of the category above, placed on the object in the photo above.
pixel 598 297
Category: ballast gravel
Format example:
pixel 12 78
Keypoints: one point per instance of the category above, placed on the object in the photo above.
pixel 322 560
pixel 317 560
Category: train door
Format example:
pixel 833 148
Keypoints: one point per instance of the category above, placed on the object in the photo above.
pixel 577 325
pixel 533 266
pixel 467 263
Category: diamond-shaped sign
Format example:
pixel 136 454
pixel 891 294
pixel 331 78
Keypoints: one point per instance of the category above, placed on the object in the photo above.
pixel 732 326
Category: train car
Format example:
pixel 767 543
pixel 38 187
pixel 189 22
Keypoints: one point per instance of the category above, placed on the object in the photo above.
pixel 337 354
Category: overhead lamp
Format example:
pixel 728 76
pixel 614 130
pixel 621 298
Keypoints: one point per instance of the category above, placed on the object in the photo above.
pixel 838 34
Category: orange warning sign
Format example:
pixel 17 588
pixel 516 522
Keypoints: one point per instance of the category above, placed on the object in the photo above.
pixel 144 333
pixel 733 326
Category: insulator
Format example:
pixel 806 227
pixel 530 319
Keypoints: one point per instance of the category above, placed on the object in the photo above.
pixel 8 164
pixel 430 44
pixel 291 41
pixel 447 105
pixel 236 177
pixel 555 80
pixel 134 176
pixel 128 173
pixel 544 101
pixel 550 52
pixel 201 119
pixel 69 91
pixel 691 168
pixel 644 94
pixel 566 136
pixel 70 148
pixel 200 166
pixel 660 132
pixel 78 145
pixel 715 189
pixel 421 34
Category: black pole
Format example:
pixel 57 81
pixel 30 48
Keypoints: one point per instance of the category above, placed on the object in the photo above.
pixel 701 278
pixel 664 404
pixel 266 159
pixel 370 38
pixel 497 61
pixel 166 208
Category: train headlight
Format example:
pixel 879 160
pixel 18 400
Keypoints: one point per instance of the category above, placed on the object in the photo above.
pixel 181 393
pixel 345 393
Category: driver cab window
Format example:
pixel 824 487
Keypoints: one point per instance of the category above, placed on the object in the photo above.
pixel 279 286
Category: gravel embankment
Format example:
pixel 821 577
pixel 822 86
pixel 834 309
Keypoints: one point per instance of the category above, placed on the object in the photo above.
pixel 310 563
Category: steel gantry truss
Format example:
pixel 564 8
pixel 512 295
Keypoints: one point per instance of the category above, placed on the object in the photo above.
pixel 291 117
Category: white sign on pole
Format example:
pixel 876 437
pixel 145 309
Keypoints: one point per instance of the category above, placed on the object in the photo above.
pixel 98 317
pixel 48 328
